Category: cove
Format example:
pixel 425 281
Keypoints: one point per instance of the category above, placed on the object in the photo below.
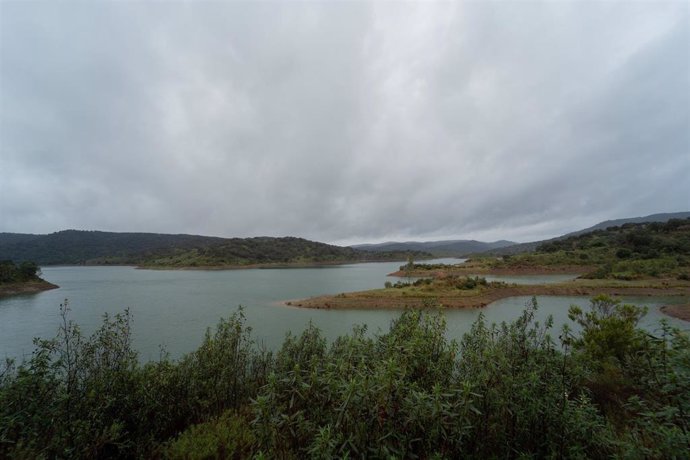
pixel 173 308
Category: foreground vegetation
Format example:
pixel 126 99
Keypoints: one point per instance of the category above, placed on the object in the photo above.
pixel 603 388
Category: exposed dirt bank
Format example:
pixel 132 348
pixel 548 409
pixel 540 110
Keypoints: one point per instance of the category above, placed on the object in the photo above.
pixel 677 311
pixel 29 287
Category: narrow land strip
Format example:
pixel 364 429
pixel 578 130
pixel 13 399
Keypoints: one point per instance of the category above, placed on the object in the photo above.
pixel 409 297
pixel 28 287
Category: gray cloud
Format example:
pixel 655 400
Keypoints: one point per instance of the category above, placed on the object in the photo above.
pixel 342 121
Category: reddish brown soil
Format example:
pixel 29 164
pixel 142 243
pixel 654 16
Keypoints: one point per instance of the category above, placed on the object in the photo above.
pixel 677 311
pixel 30 287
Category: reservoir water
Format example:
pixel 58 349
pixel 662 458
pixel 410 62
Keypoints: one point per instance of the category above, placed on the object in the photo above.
pixel 173 308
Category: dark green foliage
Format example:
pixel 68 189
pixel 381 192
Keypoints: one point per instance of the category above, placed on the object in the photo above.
pixel 228 436
pixel 403 284
pixel 639 381
pixel 469 282
pixel 627 252
pixel 74 396
pixel 79 247
pixel 73 247
pixel 265 250
pixel 505 391
pixel 12 273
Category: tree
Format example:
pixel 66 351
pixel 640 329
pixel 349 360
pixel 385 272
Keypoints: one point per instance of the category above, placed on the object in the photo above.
pixel 409 267
pixel 28 270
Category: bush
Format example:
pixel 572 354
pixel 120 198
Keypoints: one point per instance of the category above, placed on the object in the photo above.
pixel 11 272
pixel 228 436
pixel 623 253
pixel 508 390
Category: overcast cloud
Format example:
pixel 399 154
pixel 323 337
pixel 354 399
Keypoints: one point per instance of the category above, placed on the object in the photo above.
pixel 342 122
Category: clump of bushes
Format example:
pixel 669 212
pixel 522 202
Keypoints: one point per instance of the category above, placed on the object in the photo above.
pixel 508 390
pixel 468 282
pixel 11 272
pixel 404 284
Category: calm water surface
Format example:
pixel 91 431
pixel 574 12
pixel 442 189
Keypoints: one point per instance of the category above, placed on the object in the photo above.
pixel 173 308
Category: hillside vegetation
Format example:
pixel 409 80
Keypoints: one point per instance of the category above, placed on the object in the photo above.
pixel 265 251
pixel 532 246
pixel 609 390
pixel 73 247
pixel 628 252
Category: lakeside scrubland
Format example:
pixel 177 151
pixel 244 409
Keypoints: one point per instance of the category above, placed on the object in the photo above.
pixel 601 388
pixel 648 259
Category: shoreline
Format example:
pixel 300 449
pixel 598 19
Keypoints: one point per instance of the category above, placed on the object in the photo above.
pixel 400 299
pixel 28 287
pixel 681 312
pixel 264 266
pixel 477 269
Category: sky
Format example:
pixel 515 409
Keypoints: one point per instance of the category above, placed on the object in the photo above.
pixel 342 122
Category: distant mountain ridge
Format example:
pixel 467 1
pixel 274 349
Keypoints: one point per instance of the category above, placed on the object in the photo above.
pixel 77 247
pixel 531 246
pixel 452 248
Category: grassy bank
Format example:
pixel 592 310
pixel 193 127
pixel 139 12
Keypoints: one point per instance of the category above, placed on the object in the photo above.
pixel 438 292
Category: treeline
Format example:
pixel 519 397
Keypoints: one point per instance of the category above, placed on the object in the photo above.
pixel 11 272
pixel 631 251
pixel 503 391
pixel 267 250
pixel 76 247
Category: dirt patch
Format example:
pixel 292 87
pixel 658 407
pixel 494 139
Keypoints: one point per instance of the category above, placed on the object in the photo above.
pixel 29 287
pixel 677 311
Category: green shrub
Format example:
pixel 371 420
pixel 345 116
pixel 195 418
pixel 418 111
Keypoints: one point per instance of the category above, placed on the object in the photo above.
pixel 608 389
pixel 228 436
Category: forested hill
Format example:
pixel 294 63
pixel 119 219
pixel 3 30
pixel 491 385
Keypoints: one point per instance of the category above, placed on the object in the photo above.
pixel 532 246
pixel 631 251
pixel 75 247
pixel 84 247
pixel 266 250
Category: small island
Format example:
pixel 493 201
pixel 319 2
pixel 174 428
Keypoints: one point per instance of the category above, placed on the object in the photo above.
pixel 21 278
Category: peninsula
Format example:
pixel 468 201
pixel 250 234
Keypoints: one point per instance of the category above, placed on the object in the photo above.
pixel 648 259
pixel 21 278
